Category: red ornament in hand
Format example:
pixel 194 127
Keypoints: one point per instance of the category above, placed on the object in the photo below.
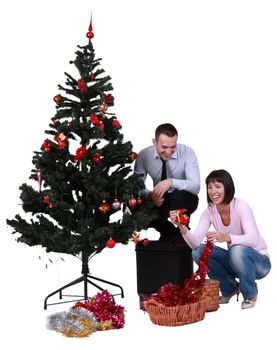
pixel 110 243
pixel 182 217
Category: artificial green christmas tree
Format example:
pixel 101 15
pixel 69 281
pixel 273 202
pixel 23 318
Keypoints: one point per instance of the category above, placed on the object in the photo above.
pixel 84 173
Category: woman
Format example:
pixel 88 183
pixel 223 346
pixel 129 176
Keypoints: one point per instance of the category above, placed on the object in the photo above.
pixel 246 258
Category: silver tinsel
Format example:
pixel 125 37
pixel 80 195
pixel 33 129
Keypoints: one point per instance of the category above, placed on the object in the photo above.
pixel 61 321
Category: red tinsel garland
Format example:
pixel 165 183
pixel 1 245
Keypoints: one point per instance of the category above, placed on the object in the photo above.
pixel 104 309
pixel 172 295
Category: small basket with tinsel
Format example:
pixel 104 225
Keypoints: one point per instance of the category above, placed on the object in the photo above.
pixel 174 307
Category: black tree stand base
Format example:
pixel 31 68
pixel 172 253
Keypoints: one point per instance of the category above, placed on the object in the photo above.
pixel 87 279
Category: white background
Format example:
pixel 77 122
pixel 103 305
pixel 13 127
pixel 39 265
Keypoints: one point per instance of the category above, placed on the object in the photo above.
pixel 208 67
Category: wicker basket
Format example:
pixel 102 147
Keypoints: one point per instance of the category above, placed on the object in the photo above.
pixel 176 315
pixel 211 290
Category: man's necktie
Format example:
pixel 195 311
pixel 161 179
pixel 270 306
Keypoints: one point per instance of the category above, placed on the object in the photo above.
pixel 164 173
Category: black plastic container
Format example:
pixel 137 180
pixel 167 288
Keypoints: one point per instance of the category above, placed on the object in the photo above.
pixel 159 263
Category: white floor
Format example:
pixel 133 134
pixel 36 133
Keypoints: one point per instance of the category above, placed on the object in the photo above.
pixel 25 284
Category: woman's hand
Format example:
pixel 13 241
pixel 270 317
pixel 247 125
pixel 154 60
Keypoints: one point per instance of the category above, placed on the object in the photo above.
pixel 216 236
pixel 173 215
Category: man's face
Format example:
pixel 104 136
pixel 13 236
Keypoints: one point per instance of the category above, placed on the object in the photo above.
pixel 165 146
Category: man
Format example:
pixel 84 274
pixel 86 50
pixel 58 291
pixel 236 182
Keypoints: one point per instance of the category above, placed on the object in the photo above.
pixel 174 170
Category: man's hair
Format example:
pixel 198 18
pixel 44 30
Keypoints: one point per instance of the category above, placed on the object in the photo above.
pixel 225 178
pixel 166 129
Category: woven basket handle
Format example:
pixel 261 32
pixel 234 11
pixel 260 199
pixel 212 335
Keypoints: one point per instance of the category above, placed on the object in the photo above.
pixel 152 302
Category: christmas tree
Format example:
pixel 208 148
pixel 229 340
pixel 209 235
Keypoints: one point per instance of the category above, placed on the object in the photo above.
pixel 83 172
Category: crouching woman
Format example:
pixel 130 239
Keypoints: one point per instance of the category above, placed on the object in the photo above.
pixel 246 258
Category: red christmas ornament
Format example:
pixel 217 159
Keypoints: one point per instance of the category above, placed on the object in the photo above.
pixel 182 217
pixel 46 146
pixel 139 201
pixel 116 204
pixel 115 123
pixel 90 34
pixel 133 156
pixel 80 153
pixel 110 243
pixel 58 99
pixel 101 125
pixel 47 202
pixel 92 76
pixel 108 98
pixel 132 202
pixel 97 158
pixel 93 118
pixel 61 139
pixel 146 242
pixel 82 85
pixel 104 207
pixel 104 107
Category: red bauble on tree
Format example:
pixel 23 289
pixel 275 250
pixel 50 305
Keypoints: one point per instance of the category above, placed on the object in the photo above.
pixel 58 99
pixel 132 202
pixel 110 243
pixel 104 207
pixel 97 158
pixel 146 242
pixel 108 98
pixel 93 118
pixel 115 123
pixel 133 156
pixel 46 146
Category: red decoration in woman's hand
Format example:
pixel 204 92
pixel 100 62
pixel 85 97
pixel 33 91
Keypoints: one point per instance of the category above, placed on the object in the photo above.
pixel 182 217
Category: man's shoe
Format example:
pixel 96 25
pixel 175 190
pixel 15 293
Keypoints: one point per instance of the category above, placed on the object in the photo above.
pixel 248 303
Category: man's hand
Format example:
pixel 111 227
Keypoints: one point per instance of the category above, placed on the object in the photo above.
pixel 161 187
pixel 158 201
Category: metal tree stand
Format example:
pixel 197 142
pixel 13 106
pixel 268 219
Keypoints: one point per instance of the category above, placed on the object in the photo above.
pixel 86 278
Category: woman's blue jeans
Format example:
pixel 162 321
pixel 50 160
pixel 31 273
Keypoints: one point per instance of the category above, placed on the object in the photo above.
pixel 241 262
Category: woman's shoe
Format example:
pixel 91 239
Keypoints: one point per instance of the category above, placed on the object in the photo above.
pixel 248 303
pixel 225 300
